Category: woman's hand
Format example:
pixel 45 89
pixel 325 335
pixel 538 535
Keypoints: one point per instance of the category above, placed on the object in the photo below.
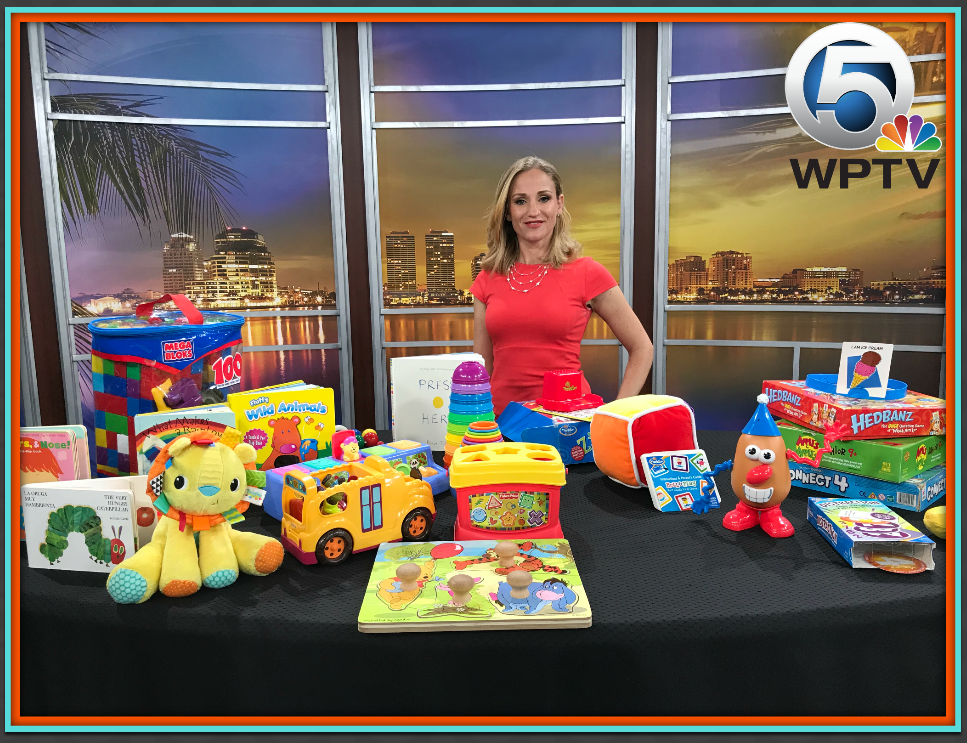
pixel 481 338
pixel 627 328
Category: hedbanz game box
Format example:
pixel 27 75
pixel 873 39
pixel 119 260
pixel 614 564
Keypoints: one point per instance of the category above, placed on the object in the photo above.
pixel 913 415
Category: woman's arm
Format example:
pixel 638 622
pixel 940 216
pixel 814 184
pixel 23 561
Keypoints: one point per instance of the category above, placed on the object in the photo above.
pixel 624 323
pixel 481 338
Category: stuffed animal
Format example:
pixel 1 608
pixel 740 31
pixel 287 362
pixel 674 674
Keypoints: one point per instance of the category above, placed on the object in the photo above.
pixel 198 484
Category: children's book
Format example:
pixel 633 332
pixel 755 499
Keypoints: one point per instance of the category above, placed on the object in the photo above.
pixel 286 425
pixel 86 525
pixel 447 586
pixel 52 454
pixel 153 431
pixel 420 396
pixel 675 479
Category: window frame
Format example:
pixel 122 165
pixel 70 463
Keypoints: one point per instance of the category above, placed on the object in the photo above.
pixel 55 229
pixel 368 91
pixel 665 117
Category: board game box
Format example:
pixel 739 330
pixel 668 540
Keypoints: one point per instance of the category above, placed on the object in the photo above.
pixel 914 415
pixel 895 460
pixel 913 495
pixel 855 528
pixel 555 597
pixel 675 479
pixel 569 433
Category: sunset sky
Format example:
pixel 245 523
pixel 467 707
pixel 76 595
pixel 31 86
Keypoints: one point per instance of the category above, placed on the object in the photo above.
pixel 731 182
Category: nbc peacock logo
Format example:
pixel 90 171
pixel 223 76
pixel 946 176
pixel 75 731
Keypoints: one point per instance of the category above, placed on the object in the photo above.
pixel 908 134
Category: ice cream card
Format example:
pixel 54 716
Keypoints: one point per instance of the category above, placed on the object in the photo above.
pixel 865 366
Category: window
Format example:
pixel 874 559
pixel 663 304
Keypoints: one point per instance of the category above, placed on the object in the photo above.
pixel 377 507
pixel 365 509
pixel 450 106
pixel 221 141
pixel 764 279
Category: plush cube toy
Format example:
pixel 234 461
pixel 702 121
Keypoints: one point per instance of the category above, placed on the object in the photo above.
pixel 623 430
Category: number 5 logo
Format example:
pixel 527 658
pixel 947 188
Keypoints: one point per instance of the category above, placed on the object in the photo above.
pixel 847 80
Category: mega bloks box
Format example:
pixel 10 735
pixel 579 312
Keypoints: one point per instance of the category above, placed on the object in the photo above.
pixel 913 415
pixel 895 460
pixel 569 433
pixel 857 528
pixel 913 495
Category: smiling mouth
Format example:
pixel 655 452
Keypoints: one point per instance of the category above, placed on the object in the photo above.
pixel 757 495
pixel 533 224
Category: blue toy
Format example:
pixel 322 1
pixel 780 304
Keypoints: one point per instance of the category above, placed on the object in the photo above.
pixel 553 592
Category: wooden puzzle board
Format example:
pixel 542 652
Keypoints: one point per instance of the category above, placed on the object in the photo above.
pixel 556 596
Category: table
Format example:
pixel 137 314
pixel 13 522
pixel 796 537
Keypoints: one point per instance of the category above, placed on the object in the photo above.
pixel 689 619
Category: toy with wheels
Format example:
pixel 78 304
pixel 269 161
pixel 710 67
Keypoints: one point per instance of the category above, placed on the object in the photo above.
pixel 347 507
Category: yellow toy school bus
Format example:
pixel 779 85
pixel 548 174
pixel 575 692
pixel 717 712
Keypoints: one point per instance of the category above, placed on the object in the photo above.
pixel 380 504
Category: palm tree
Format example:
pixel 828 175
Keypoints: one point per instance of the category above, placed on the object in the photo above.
pixel 142 170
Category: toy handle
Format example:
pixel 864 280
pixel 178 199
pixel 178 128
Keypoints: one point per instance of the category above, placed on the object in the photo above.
pixel 181 302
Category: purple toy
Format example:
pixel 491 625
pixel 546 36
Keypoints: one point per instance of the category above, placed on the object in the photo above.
pixel 470 372
pixel 183 394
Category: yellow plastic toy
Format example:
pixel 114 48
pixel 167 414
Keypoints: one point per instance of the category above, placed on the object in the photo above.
pixel 323 524
pixel 502 487
pixel 198 485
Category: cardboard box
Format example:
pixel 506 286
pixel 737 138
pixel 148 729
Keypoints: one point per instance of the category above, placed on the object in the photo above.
pixel 571 436
pixel 894 460
pixel 914 415
pixel 855 527
pixel 915 494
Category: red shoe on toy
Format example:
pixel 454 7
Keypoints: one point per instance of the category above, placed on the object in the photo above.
pixel 775 524
pixel 740 518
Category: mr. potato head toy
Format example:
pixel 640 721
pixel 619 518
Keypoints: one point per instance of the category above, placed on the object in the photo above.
pixel 760 478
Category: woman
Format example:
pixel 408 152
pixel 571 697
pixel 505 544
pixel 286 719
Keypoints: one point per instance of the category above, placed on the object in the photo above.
pixel 535 293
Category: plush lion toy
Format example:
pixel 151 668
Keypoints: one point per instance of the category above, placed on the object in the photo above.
pixel 198 483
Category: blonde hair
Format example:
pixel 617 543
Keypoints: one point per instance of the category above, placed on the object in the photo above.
pixel 503 250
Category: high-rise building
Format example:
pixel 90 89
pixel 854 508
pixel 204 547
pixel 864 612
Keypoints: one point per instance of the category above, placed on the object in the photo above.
pixel 830 278
pixel 242 270
pixel 401 263
pixel 475 266
pixel 440 272
pixel 730 269
pixel 182 264
pixel 687 274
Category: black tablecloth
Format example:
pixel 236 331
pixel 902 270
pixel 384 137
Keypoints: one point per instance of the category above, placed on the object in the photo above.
pixel 689 619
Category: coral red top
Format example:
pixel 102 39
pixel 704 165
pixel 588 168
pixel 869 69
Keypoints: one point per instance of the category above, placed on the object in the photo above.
pixel 538 331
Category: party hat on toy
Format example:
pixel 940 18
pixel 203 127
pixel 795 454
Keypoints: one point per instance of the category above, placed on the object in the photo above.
pixel 761 422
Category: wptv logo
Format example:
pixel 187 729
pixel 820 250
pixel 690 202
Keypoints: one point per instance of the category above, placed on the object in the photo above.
pixel 850 86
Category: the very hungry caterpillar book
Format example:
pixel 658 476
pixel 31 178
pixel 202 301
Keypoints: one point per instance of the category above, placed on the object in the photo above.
pixel 287 424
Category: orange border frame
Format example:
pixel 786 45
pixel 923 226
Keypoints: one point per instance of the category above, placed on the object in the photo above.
pixel 951 334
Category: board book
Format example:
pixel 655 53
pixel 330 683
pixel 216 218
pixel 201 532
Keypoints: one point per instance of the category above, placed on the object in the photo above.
pixel 153 431
pixel 286 424
pixel 86 525
pixel 52 454
pixel 556 597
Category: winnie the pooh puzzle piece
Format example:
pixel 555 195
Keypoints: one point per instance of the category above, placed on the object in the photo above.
pixel 474 585
pixel 198 486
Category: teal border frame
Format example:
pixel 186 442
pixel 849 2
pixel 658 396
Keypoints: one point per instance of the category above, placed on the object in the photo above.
pixel 619 14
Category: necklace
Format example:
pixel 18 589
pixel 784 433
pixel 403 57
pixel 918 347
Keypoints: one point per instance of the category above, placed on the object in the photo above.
pixel 526 279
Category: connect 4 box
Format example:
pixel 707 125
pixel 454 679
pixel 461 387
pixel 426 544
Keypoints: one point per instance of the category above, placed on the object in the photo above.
pixel 913 415
pixel 913 495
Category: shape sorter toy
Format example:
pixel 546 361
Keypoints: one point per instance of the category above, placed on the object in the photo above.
pixel 402 455
pixel 507 487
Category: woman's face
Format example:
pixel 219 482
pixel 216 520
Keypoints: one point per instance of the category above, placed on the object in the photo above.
pixel 533 207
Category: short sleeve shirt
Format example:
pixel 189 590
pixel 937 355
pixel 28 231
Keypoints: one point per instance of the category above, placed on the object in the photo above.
pixel 539 330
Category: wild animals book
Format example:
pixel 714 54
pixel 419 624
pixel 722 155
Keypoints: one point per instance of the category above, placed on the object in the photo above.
pixel 286 425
